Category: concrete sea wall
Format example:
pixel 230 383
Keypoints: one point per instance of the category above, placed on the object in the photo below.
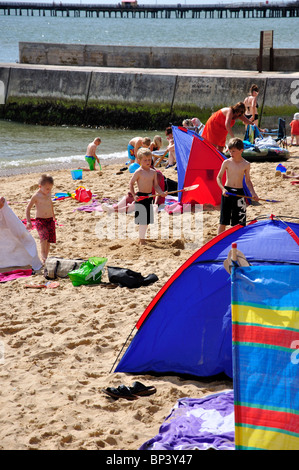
pixel 155 57
pixel 134 97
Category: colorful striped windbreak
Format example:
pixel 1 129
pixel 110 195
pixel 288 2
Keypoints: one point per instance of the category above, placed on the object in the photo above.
pixel 265 323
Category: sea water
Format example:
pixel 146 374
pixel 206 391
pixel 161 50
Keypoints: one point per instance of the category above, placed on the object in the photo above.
pixel 172 32
pixel 37 148
pixel 33 147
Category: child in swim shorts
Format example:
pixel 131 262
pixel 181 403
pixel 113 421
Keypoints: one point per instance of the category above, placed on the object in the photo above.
pixel 233 207
pixel 146 179
pixel 134 145
pixel 45 218
pixel 91 156
pixel 295 129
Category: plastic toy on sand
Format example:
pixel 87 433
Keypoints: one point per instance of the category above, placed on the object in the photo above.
pixel 281 168
pixel 133 167
pixel 76 174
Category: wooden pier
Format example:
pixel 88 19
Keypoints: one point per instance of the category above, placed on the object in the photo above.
pixel 242 10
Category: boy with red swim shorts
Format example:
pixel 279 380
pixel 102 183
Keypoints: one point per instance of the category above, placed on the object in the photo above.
pixel 45 218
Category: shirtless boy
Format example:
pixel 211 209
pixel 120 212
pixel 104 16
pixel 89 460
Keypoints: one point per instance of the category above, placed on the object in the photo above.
pixel 146 179
pixel 44 218
pixel 91 156
pixel 135 144
pixel 233 208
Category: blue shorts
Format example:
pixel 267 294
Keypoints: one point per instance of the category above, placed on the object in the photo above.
pixel 131 155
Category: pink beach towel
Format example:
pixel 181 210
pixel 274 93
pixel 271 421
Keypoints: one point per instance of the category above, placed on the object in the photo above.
pixel 11 275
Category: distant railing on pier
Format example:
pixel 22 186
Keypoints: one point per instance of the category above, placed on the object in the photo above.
pixel 178 10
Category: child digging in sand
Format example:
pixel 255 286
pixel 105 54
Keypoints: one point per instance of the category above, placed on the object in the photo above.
pixel 233 208
pixel 91 156
pixel 45 218
pixel 146 179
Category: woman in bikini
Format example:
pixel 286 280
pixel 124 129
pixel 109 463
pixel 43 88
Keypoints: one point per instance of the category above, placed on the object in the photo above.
pixel 251 104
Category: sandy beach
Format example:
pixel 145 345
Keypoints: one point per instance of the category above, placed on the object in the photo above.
pixel 60 344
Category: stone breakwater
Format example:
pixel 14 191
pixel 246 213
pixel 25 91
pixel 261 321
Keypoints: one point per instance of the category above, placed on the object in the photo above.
pixel 134 97
pixel 100 55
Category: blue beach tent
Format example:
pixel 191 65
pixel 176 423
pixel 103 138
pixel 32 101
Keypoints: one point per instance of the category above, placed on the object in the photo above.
pixel 187 327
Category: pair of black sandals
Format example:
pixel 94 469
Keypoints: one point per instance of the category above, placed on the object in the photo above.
pixel 130 393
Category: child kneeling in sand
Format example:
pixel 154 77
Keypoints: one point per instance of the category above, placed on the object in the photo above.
pixel 45 218
pixel 91 156
pixel 233 207
pixel 146 179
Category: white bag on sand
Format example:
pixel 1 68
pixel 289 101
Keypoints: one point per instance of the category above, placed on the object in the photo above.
pixel 265 143
pixel 17 245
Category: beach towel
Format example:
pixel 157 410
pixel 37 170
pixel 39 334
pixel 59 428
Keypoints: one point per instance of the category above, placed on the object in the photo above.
pixel 15 274
pixel 17 246
pixel 198 424
pixel 95 206
pixel 265 318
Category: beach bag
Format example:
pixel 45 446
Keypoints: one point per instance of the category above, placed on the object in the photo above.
pixel 124 277
pixel 60 267
pixel 82 194
pixel 90 272
pixel 266 142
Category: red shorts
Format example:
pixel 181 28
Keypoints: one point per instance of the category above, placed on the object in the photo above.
pixel 46 229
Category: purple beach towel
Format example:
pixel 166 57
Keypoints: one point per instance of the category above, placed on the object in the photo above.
pixel 198 423
pixel 94 206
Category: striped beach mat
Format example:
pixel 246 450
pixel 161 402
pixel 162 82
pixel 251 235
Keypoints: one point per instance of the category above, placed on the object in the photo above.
pixel 265 328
